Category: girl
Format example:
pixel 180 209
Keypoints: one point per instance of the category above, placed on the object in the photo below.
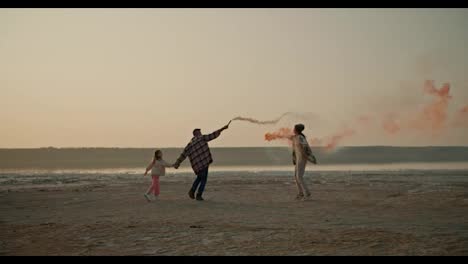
pixel 301 154
pixel 158 168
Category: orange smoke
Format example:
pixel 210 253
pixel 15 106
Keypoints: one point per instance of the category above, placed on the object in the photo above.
pixel 333 141
pixel 390 124
pixel 434 115
pixel 316 142
pixel 461 118
pixel 430 119
pixel 329 143
pixel 464 110
pixel 282 133
pixel 441 93
pixel 364 119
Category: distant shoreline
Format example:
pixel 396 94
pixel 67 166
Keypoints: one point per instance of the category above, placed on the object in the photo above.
pixel 85 158
pixel 242 147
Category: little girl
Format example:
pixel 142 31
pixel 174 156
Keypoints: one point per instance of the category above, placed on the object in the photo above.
pixel 158 168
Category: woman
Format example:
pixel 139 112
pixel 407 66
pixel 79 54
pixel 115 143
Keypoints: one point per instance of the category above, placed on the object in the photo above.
pixel 301 154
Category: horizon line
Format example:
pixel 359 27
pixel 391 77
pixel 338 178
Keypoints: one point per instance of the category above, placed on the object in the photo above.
pixel 347 146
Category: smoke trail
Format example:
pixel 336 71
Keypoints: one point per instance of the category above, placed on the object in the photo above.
pixel 255 121
pixel 431 119
pixel 282 133
pixel 304 116
pixel 333 141
pixel 442 92
pixel 364 120
pixel 315 142
pixel 461 117
pixel 435 115
pixel 464 110
pixel 390 124
pixel 329 143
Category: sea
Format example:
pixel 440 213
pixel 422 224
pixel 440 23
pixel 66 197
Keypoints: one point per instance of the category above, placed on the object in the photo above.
pixel 74 166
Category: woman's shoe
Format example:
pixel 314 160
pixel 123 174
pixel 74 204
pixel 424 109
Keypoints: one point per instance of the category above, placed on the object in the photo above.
pixel 299 196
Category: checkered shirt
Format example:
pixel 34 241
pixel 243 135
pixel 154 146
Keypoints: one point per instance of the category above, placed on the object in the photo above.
pixel 198 152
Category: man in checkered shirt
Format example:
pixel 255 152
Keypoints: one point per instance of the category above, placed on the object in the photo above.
pixel 200 158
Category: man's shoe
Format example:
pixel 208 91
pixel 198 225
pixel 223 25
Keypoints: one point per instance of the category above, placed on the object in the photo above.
pixel 191 194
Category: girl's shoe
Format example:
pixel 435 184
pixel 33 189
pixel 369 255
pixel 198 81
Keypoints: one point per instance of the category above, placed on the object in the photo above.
pixel 147 197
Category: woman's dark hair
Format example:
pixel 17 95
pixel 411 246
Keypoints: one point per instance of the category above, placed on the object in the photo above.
pixel 299 128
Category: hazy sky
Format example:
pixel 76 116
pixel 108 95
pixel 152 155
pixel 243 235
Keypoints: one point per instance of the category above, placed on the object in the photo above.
pixel 147 77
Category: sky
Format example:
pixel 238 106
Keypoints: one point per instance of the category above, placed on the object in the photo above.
pixel 148 77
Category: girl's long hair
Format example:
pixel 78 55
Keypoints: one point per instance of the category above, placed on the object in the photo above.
pixel 157 155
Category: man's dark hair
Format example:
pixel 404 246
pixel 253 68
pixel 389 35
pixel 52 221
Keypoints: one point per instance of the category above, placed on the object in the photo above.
pixel 195 130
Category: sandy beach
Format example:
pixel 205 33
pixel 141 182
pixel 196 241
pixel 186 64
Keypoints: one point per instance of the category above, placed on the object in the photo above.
pixel 358 214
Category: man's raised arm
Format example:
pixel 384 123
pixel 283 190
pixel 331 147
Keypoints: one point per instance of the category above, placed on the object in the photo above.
pixel 215 134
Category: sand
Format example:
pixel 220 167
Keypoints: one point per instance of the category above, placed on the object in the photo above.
pixel 358 215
